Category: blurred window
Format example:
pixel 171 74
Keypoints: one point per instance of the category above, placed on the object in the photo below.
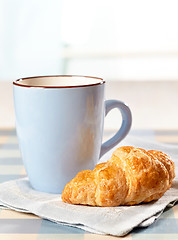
pixel 121 40
pixel 115 39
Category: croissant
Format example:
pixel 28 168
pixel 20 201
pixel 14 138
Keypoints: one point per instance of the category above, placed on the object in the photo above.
pixel 131 176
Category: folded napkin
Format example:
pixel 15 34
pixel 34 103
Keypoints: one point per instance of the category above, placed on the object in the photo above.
pixel 118 221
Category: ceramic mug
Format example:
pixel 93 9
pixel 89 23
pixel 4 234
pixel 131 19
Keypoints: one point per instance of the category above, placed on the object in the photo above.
pixel 59 124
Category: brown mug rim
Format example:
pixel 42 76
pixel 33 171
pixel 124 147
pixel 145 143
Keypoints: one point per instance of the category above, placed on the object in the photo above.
pixel 16 82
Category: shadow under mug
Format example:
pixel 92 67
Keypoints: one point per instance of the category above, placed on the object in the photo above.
pixel 59 124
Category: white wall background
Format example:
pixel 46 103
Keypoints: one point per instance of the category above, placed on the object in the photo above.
pixel 30 38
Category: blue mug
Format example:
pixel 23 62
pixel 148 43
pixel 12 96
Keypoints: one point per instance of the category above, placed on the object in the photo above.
pixel 59 124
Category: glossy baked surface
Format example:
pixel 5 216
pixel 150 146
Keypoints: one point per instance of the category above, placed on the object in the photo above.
pixel 129 177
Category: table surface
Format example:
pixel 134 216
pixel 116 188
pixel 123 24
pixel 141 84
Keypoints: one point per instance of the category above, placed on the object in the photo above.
pixel 15 225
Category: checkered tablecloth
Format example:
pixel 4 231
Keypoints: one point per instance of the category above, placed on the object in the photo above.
pixel 15 225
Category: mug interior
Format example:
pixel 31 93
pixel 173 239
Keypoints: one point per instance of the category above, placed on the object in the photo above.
pixel 58 81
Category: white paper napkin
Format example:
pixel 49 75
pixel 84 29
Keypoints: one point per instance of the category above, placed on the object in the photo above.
pixel 118 221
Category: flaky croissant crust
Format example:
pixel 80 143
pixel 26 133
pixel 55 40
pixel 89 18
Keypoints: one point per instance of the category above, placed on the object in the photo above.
pixel 131 176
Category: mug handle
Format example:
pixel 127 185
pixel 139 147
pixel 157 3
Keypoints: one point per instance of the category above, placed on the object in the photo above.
pixel 125 126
